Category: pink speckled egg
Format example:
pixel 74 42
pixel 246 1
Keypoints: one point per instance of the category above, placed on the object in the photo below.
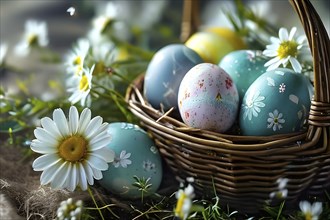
pixel 208 99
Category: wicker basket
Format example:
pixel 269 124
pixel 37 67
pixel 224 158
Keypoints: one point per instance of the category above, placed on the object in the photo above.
pixel 244 169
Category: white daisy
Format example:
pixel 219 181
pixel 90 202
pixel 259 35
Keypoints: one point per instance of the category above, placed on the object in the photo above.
pixel 70 210
pixel 285 49
pixel 275 120
pixel 76 58
pixel 311 211
pixel 102 22
pixel 74 150
pixel 122 160
pixel 253 104
pixel 36 34
pixel 3 52
pixel 184 202
pixel 80 87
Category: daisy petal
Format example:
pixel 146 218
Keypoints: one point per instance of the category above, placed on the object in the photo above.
pixel 41 148
pixel 50 126
pixel 48 174
pixel 61 122
pixel 43 136
pixel 45 161
pixel 295 65
pixel 83 178
pixel 84 120
pixel 97 163
pixel 105 153
pixel 100 143
pixel 283 34
pixel 92 126
pixel 292 33
pixel 73 120
pixel 89 174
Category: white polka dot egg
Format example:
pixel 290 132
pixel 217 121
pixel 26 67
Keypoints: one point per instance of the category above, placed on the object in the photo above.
pixel 136 159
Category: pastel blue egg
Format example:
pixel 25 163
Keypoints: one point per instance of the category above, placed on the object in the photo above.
pixel 277 102
pixel 244 67
pixel 165 72
pixel 135 155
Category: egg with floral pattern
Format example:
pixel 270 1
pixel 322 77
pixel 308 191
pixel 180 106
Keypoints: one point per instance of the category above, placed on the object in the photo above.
pixel 165 72
pixel 244 66
pixel 277 102
pixel 137 160
pixel 208 98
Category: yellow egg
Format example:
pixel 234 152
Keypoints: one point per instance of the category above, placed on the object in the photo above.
pixel 209 46
pixel 231 36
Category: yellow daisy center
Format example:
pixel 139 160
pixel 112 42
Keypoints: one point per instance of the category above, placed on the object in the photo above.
pixel 308 216
pixel 287 48
pixel 32 39
pixel 73 148
pixel 77 61
pixel 83 85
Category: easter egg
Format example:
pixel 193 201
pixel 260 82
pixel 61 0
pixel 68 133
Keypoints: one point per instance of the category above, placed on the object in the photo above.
pixel 208 98
pixel 165 72
pixel 210 46
pixel 231 36
pixel 277 102
pixel 135 156
pixel 244 66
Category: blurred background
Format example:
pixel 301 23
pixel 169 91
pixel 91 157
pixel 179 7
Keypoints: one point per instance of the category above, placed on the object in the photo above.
pixel 156 23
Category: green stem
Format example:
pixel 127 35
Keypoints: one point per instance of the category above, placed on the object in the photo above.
pixel 98 209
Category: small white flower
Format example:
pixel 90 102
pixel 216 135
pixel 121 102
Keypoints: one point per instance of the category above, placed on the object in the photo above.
pixel 36 34
pixel 102 21
pixel 282 190
pixel 81 86
pixel 275 120
pixel 123 160
pixel 311 211
pixel 281 89
pixel 74 150
pixel 69 210
pixel 76 58
pixel 184 202
pixel 253 104
pixel 285 49
pixel 71 11
pixel 3 52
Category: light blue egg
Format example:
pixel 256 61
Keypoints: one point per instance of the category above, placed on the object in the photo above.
pixel 135 155
pixel 165 72
pixel 244 67
pixel 277 102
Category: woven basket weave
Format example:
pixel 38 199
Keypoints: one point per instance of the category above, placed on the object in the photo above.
pixel 244 169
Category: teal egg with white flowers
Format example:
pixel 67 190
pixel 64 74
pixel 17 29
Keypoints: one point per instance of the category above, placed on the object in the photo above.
pixel 137 160
pixel 277 102
pixel 244 67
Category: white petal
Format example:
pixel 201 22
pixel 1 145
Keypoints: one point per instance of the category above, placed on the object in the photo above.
pixel 45 161
pixel 83 178
pixel 97 174
pixel 61 122
pixel 292 33
pixel 283 34
pixel 89 174
pixel 73 120
pixel 41 148
pixel 60 176
pixel 103 130
pixel 97 162
pixel 316 208
pixel 305 206
pixel 275 41
pixel 93 126
pixel 48 174
pixel 270 53
pixel 272 61
pixel 75 97
pixel 84 120
pixel 105 153
pixel 99 143
pixel 43 136
pixel 72 181
pixel 49 125
pixel 295 65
